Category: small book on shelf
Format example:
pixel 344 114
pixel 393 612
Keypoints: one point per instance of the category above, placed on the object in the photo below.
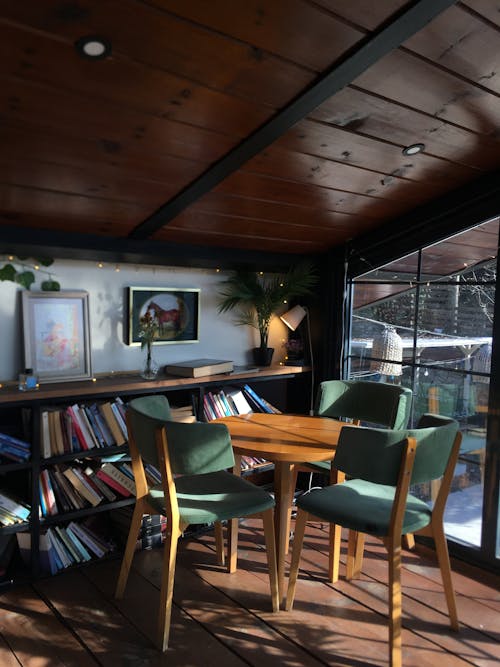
pixel 199 368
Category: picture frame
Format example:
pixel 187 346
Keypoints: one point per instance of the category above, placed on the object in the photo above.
pixel 178 310
pixel 56 335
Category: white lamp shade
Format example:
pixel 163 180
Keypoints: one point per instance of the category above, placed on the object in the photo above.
pixel 293 317
pixel 388 347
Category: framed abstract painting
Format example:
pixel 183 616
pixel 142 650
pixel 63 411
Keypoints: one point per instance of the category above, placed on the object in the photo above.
pixel 57 335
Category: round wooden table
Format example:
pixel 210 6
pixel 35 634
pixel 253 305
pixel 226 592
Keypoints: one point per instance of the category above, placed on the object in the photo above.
pixel 286 440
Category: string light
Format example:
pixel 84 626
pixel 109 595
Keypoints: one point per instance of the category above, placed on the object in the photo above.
pixel 117 269
pixel 100 265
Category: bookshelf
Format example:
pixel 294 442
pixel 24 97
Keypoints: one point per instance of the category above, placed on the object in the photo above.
pixel 21 416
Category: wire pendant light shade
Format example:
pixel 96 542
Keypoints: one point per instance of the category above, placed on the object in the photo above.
pixel 387 346
pixel 481 363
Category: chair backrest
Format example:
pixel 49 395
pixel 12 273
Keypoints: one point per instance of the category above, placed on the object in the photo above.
pixel 193 448
pixel 379 403
pixel 375 454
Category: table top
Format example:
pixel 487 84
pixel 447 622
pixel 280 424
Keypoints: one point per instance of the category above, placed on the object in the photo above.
pixel 279 437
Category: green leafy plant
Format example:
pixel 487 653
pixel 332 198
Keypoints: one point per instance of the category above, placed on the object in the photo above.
pixel 257 296
pixel 21 270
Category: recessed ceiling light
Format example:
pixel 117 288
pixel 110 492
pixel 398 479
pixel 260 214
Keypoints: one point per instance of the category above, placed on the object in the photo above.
pixel 93 47
pixel 413 149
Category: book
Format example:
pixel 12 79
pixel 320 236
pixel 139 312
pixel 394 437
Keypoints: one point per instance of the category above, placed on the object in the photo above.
pixel 114 427
pixel 113 483
pixel 121 421
pixel 82 440
pixel 76 479
pixel 14 507
pixel 88 539
pixel 120 477
pixel 256 398
pixel 46 451
pixel 64 556
pixel 72 494
pixel 240 402
pixel 78 544
pixel 199 368
pixel 48 493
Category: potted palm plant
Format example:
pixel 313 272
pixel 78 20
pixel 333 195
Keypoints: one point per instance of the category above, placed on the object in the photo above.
pixel 257 297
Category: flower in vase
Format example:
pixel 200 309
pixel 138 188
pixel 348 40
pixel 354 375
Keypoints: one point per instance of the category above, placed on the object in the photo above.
pixel 148 331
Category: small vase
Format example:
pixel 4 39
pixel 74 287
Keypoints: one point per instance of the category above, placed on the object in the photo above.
pixel 150 370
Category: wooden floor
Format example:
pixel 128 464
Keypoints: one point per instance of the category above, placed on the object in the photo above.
pixel 221 619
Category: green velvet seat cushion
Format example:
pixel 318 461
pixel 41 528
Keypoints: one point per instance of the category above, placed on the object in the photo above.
pixel 215 496
pixel 363 506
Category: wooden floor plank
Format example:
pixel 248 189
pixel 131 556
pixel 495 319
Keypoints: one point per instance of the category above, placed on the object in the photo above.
pixel 140 606
pixel 225 620
pixel 35 635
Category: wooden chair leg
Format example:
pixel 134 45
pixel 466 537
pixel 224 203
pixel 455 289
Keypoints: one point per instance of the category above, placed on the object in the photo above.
pixel 268 521
pixel 298 539
pixel 445 568
pixel 135 526
pixel 355 549
pixel 167 586
pixel 395 602
pixel 335 538
pixel 336 477
pixel 293 486
pixel 409 541
pixel 232 544
pixel 219 543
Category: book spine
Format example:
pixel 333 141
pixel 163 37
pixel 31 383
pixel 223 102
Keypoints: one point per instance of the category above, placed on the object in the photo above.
pixel 49 496
pixel 17 509
pixel 76 426
pixel 4 437
pixel 113 484
pixel 87 540
pixel 263 407
pixel 94 427
pixel 79 546
pixel 120 420
pixel 70 548
pixel 113 472
pixel 87 427
pixel 110 418
pixel 45 434
pixel 78 484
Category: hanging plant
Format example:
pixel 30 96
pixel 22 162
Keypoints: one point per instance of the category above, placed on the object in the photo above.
pixel 21 270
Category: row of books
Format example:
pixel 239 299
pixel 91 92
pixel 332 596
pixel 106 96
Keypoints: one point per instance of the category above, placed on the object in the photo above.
pixel 82 427
pixel 12 510
pixel 234 402
pixel 64 488
pixel 14 449
pixel 64 546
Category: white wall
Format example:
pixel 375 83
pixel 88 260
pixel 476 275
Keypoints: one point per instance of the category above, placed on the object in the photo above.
pixel 220 338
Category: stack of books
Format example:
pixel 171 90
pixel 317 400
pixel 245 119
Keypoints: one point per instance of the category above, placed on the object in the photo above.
pixel 14 449
pixel 151 533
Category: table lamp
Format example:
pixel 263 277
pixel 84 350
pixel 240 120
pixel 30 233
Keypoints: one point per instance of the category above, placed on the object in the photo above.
pixel 292 319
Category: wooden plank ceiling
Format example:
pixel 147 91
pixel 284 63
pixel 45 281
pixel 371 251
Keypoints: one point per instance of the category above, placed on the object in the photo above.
pixel 159 140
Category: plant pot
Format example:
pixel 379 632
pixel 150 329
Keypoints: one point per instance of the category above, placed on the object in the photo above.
pixel 262 356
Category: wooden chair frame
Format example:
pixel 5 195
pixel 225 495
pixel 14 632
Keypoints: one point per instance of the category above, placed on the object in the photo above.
pixel 175 528
pixel 392 542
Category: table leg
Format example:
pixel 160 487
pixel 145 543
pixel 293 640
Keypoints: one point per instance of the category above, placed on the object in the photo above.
pixel 283 498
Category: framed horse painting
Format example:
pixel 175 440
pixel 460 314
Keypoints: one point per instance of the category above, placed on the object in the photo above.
pixel 175 309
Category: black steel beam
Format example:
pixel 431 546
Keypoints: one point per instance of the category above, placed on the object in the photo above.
pixel 432 222
pixel 73 245
pixel 374 47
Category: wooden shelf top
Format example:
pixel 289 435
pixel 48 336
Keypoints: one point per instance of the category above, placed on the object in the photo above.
pixel 127 383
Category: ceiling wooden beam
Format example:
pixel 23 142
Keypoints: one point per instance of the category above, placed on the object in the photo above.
pixel 375 46
pixel 19 241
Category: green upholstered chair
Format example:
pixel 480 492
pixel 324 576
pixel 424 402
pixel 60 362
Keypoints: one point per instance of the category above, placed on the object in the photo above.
pixel 377 403
pixel 196 488
pixel 381 465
